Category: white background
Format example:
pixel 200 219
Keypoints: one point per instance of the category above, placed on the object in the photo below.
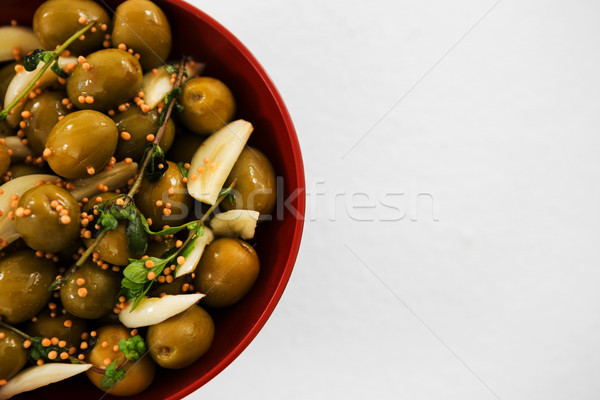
pixel 499 298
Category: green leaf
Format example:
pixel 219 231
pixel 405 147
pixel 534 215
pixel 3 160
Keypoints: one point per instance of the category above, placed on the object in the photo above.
pixel 136 271
pixel 107 221
pixel 153 173
pixel 133 348
pixel 112 375
pixel 171 69
pixel 182 169
pixel 172 230
pixel 137 242
pixel 31 61
pixel 58 70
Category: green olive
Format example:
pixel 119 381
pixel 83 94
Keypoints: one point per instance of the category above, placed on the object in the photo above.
pixel 47 218
pixel 4 159
pixel 170 189
pixel 13 356
pixel 91 291
pixel 139 374
pixel 226 272
pixel 53 323
pixel 142 26
pixel 57 20
pixel 7 73
pixel 45 109
pixel 139 125
pixel 81 143
pixel 113 247
pixel 182 339
pixel 255 183
pixel 24 283
pixel 6 129
pixel 208 105
pixel 159 245
pixel 184 147
pixel 114 76
pixel 18 170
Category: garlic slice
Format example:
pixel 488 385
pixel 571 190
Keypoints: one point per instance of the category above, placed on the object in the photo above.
pixel 235 223
pixel 114 178
pixel 17 186
pixel 18 37
pixel 154 310
pixel 38 376
pixel 156 85
pixel 22 79
pixel 215 158
pixel 20 151
pixel 191 261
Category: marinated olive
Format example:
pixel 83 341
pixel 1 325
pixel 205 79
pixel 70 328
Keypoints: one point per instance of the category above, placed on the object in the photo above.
pixel 47 218
pixel 142 26
pixel 208 105
pixel 53 323
pixel 4 159
pixel 91 291
pixel 255 183
pixel 182 339
pixel 113 247
pixel 139 374
pixel 226 272
pixel 45 109
pixel 134 126
pixel 167 201
pixel 6 129
pixel 12 354
pixel 57 20
pixel 7 73
pixel 113 77
pixel 81 144
pixel 18 170
pixel 160 245
pixel 24 283
pixel 184 147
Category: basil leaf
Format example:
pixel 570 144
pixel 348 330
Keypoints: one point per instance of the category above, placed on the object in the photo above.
pixel 184 172
pixel 171 69
pixel 157 157
pixel 108 221
pixel 31 61
pixel 133 348
pixel 58 70
pixel 136 271
pixel 111 376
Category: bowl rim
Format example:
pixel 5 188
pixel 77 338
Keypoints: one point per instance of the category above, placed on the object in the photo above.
pixel 299 221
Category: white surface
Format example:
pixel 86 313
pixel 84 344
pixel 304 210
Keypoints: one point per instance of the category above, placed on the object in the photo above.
pixel 503 134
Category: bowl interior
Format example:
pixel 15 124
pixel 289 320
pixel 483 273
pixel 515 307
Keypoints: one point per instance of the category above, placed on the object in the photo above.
pixel 277 241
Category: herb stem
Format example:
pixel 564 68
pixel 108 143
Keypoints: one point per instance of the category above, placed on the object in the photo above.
pixel 15 330
pixel 55 54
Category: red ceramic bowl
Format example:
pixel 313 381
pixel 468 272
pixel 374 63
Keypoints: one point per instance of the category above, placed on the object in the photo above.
pixel 198 35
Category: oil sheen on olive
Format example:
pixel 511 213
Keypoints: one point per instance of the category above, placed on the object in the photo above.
pixel 255 183
pixel 182 339
pixel 57 20
pixel 139 125
pixel 24 283
pixel 142 26
pixel 226 272
pixel 47 325
pixel 139 375
pixel 95 296
pixel 114 77
pixel 13 356
pixel 208 105
pixel 181 202
pixel 81 140
pixel 45 110
pixel 43 224
pixel 4 159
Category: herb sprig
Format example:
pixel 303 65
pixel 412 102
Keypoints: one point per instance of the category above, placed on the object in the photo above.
pixel 50 61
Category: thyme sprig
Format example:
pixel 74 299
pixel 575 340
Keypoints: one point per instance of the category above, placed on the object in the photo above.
pixel 50 61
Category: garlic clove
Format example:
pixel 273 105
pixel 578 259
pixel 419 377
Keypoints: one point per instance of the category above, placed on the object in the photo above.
pixel 191 261
pixel 17 37
pixel 156 85
pixel 215 158
pixel 38 376
pixel 114 178
pixel 154 310
pixel 235 223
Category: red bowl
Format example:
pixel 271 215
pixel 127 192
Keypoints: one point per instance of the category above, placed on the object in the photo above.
pixel 198 35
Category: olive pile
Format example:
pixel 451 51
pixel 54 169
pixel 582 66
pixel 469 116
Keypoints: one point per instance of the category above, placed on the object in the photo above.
pixel 79 128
